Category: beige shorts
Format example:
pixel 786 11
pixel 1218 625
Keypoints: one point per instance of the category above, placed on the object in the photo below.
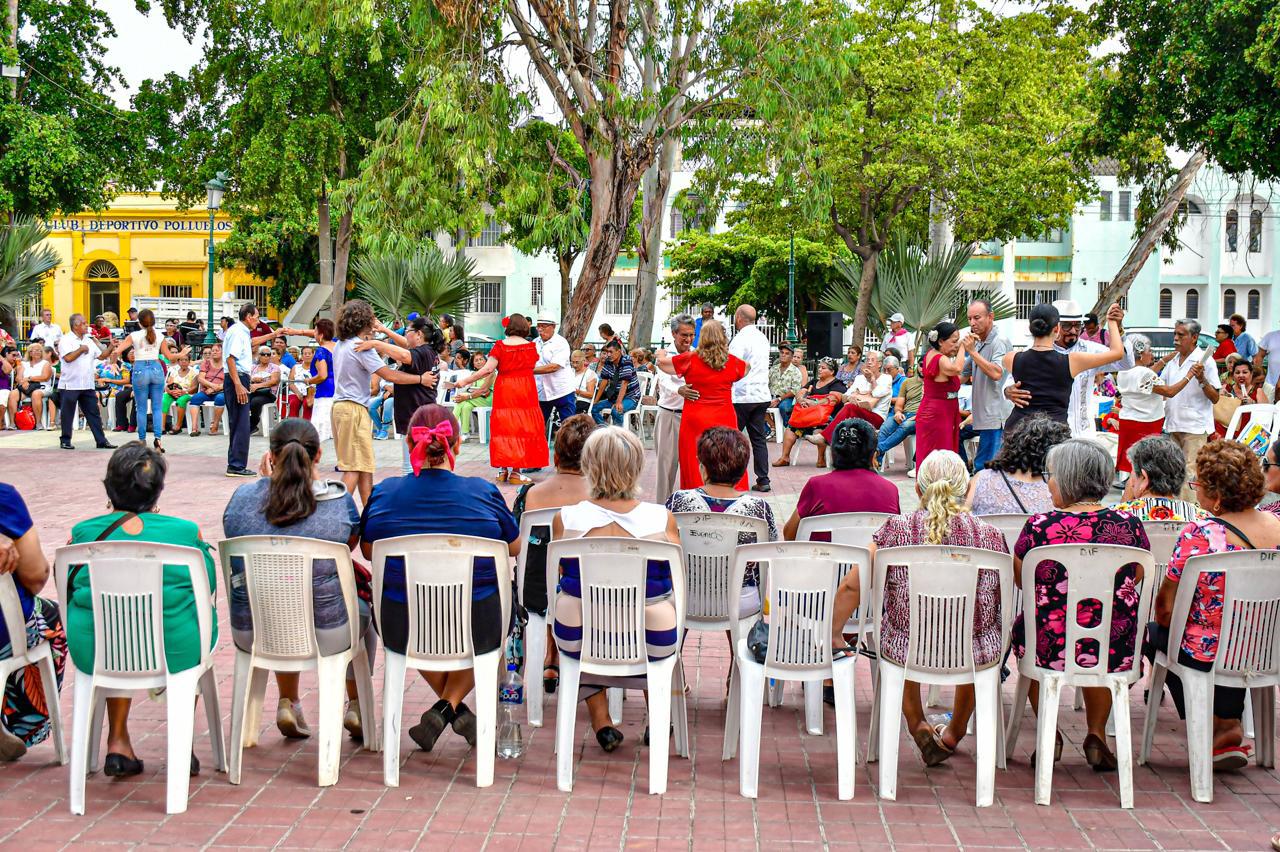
pixel 353 437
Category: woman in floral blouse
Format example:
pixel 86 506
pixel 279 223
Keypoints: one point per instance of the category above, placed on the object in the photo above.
pixel 1151 493
pixel 1229 484
pixel 1079 478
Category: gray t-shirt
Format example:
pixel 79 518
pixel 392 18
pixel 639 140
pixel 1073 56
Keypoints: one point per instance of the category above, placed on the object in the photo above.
pixel 353 371
pixel 989 406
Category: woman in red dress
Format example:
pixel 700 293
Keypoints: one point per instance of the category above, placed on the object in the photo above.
pixel 711 371
pixel 517 432
pixel 938 417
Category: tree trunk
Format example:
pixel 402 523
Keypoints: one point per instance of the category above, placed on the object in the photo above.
pixel 657 183
pixel 865 285
pixel 565 262
pixel 940 235
pixel 325 235
pixel 342 255
pixel 1150 236
pixel 12 20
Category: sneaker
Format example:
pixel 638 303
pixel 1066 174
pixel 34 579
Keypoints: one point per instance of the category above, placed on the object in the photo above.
pixel 464 724
pixel 911 474
pixel 240 471
pixel 380 435
pixel 432 725
pixel 290 721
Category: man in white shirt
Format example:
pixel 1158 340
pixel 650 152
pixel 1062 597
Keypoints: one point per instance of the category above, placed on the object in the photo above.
pixel 237 361
pixel 553 374
pixel 671 394
pixel 1188 415
pixel 78 351
pixel 751 396
pixel 45 331
pixel 1269 345
pixel 872 389
pixel 899 339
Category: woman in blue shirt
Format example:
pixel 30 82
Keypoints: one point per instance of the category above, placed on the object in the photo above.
pixel 435 500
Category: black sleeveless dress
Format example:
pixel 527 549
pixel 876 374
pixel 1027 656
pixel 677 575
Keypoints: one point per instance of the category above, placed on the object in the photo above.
pixel 1047 375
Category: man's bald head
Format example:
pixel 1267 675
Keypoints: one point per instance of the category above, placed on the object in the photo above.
pixel 744 316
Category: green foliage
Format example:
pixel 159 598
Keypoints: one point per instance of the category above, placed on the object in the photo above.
pixel 425 281
pixel 742 267
pixel 24 262
pixel 273 249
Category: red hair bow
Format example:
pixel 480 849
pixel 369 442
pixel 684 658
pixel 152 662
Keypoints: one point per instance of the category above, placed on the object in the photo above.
pixel 423 437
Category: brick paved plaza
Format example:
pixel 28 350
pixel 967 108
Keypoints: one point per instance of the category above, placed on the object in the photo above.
pixel 438 806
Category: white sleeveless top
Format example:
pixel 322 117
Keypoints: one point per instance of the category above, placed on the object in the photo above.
pixel 142 350
pixel 646 520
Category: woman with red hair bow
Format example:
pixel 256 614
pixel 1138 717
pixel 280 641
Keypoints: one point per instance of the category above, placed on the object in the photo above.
pixel 434 500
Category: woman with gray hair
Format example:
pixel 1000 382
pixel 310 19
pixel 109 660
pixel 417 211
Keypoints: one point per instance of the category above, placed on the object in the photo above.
pixel 1159 471
pixel 1080 474
pixel 1142 396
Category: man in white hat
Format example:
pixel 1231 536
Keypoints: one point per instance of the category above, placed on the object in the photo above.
pixel 900 339
pixel 1080 406
pixel 554 376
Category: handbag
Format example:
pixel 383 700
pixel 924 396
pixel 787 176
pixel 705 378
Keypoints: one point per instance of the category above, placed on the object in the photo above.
pixel 1224 409
pixel 810 416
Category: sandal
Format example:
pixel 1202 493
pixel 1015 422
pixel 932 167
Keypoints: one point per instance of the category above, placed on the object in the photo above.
pixel 1097 755
pixel 821 463
pixel 549 684
pixel 502 475
pixel 197 432
pixel 1231 759
pixel 782 462
pixel 932 748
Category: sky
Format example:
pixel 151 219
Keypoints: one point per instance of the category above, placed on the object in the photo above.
pixel 144 47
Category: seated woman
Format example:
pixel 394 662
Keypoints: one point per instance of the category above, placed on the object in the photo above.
pixel 612 460
pixel 135 478
pixel 435 500
pixel 25 720
pixel 1013 482
pixel 1229 484
pixel 477 396
pixel 566 487
pixel 941 482
pixel 723 456
pixel 1080 474
pixel 852 487
pixel 264 384
pixel 825 393
pixel 295 501
pixel 1151 492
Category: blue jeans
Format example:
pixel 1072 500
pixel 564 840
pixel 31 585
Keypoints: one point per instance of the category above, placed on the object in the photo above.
pixel 893 433
pixel 989 443
pixel 381 411
pixel 219 400
pixel 148 391
pixel 784 408
pixel 597 410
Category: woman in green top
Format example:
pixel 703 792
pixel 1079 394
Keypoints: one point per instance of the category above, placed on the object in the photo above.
pixel 135 478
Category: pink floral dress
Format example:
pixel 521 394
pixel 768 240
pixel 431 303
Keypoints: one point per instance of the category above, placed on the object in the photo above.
pixel 1106 526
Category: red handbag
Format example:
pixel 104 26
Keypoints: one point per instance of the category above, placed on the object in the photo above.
pixel 24 419
pixel 810 416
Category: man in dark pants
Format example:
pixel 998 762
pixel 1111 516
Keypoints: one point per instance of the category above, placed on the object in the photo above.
pixel 237 360
pixel 751 395
pixel 79 350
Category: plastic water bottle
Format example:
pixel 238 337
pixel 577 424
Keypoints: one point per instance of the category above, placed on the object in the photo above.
pixel 510 706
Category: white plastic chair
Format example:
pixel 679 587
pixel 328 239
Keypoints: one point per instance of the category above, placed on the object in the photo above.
pixel 613 577
pixel 278 582
pixel 438 573
pixel 778 427
pixel 1163 535
pixel 482 423
pixel 535 634
pixel 1264 415
pixel 1091 571
pixel 853 528
pixel 127 579
pixel 1010 526
pixel 710 540
pixel 14 632
pixel 633 420
pixel 1248 657
pixel 943 597
pixel 908 448
pixel 800 580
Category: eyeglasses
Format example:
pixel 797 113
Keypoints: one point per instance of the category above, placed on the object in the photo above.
pixel 1193 483
pixel 1046 476
pixel 1069 326
pixel 1267 465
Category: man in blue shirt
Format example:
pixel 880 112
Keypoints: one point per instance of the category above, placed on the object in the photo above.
pixel 618 388
pixel 708 315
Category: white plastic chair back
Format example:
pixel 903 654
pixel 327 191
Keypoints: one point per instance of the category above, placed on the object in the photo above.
pixel 613 572
pixel 438 572
pixel 855 528
pixel 709 540
pixel 1263 415
pixel 943 596
pixel 13 627
pixel 1163 535
pixel 14 632
pixel 1090 574
pixel 1010 526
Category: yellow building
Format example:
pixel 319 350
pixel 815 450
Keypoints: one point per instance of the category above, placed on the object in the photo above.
pixel 140 248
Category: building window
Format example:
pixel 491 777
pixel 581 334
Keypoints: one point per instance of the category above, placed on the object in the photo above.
pixel 677 223
pixel 176 291
pixel 619 296
pixel 1228 302
pixel 1255 305
pixel 1190 207
pixel 256 293
pixel 490 236
pixel 1028 299
pixel 535 291
pixel 1233 230
pixel 1193 304
pixel 1104 211
pixel 27 311
pixel 1166 304
pixel 1255 231
pixel 487 298
pixel 1126 206
pixel 1123 300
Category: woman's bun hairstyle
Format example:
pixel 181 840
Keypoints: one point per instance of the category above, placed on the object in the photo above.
pixel 1043 319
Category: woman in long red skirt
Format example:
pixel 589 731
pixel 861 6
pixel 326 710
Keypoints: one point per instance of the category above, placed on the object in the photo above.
pixel 711 371
pixel 517 432
pixel 938 417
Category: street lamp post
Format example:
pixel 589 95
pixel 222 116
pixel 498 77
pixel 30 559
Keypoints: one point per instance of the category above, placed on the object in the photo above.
pixel 791 293
pixel 215 189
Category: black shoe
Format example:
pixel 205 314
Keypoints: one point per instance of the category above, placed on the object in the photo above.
pixel 762 487
pixel 195 765
pixel 431 725
pixel 609 738
pixel 66 445
pixel 464 724
pixel 240 471
pixel 119 766
pixel 105 445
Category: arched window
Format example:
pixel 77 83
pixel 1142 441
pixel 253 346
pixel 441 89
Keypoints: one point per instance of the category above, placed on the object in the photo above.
pixel 102 270
pixel 1193 304
pixel 1166 304
pixel 1254 309
pixel 1228 302
pixel 1233 230
pixel 1255 231
pixel 1190 207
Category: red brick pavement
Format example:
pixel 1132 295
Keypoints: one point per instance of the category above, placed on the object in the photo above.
pixel 278 804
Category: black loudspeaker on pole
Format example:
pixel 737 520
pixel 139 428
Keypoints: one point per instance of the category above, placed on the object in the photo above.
pixel 826 334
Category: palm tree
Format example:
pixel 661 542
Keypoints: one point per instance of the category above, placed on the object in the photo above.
pixel 425 281
pixel 24 262
pixel 924 290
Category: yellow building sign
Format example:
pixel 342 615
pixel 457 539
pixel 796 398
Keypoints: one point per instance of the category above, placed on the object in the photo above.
pixel 141 247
